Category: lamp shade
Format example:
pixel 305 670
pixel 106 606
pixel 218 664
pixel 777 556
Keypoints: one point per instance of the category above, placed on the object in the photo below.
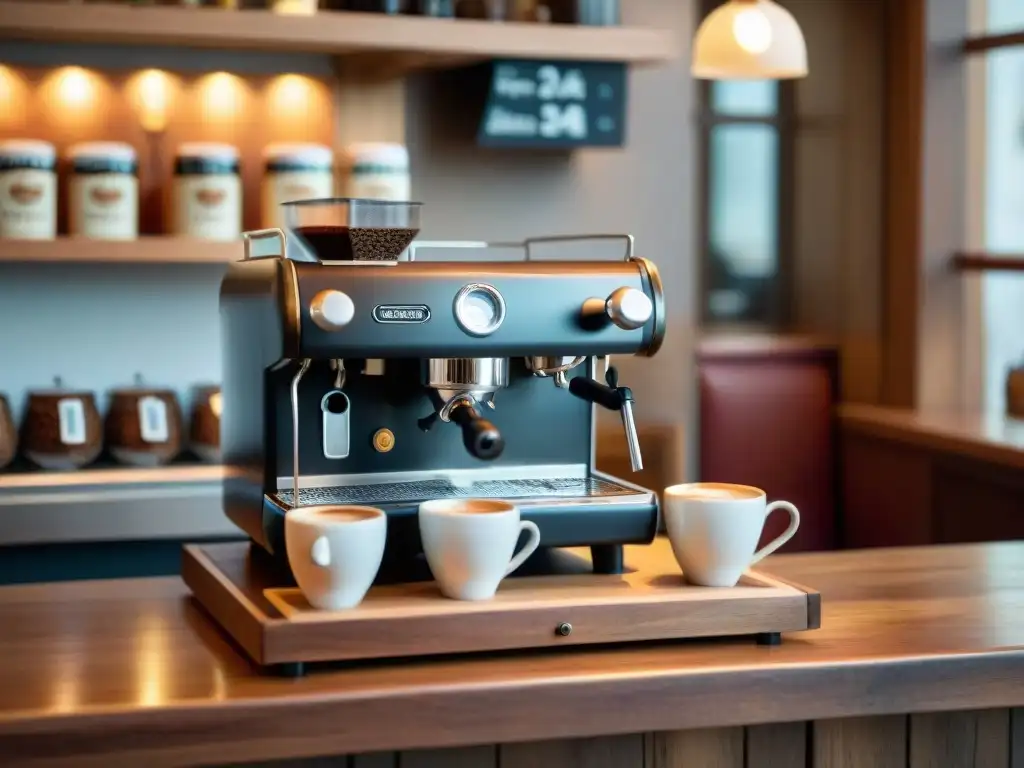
pixel 749 40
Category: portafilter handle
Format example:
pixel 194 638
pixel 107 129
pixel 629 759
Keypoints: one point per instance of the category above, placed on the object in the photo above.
pixel 614 398
pixel 481 438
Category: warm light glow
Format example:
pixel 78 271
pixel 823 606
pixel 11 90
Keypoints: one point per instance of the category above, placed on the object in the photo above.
pixel 749 40
pixel 296 7
pixel 752 30
pixel 74 100
pixel 151 659
pixel 66 684
pixel 290 93
pixel 154 95
pixel 75 87
pixel 220 685
pixel 222 97
pixel 14 93
pixel 292 104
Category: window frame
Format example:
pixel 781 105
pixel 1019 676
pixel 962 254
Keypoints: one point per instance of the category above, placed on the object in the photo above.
pixel 780 315
pixel 974 358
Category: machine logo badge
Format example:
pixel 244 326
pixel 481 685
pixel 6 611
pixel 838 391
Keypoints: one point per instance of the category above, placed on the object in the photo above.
pixel 401 313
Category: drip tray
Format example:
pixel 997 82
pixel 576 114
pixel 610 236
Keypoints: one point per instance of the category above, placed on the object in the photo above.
pixel 582 489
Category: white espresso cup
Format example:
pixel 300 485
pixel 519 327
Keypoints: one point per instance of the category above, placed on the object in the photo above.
pixel 335 552
pixel 469 544
pixel 714 529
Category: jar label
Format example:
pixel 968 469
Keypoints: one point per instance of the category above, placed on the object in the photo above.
pixel 380 186
pixel 28 204
pixel 71 415
pixel 208 207
pixel 104 206
pixel 282 187
pixel 153 420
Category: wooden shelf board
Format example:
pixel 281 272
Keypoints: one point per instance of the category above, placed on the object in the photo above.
pixel 418 42
pixel 145 250
pixel 988 262
pixel 111 477
pixel 984 43
pixel 112 503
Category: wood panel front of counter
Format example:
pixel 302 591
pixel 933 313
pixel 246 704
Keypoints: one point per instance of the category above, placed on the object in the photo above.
pixel 132 673
pixel 914 478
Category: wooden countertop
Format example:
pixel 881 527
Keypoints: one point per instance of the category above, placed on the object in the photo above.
pixel 132 672
pixel 993 438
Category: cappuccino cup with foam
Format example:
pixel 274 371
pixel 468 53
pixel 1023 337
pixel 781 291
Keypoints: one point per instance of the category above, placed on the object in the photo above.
pixel 714 529
pixel 335 552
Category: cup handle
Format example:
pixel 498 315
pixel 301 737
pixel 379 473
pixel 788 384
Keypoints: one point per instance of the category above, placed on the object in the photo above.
pixel 782 538
pixel 320 552
pixel 528 549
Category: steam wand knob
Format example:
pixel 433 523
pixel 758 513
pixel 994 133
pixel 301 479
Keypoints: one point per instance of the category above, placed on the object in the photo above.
pixel 614 398
pixel 626 308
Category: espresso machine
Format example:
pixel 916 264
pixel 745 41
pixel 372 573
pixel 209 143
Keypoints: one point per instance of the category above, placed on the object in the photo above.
pixel 355 373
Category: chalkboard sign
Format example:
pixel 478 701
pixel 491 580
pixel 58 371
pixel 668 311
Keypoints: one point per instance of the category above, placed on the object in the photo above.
pixel 555 104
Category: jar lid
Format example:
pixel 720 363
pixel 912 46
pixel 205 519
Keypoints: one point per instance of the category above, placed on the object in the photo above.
pixel 102 150
pixel 43 150
pixel 57 391
pixel 390 155
pixel 140 387
pixel 208 151
pixel 312 154
pixel 142 390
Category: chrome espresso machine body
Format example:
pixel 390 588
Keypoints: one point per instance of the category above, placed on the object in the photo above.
pixel 393 382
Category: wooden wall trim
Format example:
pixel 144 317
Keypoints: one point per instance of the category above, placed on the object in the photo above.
pixel 903 201
pixel 985 43
pixel 988 262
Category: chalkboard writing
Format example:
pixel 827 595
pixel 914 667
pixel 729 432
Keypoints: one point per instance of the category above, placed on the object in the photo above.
pixel 555 104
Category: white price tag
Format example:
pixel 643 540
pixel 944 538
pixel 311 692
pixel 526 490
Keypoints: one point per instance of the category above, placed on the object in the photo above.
pixel 153 420
pixel 556 122
pixel 71 415
pixel 551 84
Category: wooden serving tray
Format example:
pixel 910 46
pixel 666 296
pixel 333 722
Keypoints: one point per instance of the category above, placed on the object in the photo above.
pixel 276 626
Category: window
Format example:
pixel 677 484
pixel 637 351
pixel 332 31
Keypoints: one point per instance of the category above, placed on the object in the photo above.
pixel 999 228
pixel 745 215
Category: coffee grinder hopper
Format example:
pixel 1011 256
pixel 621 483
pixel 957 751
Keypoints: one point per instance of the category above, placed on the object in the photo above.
pixel 339 231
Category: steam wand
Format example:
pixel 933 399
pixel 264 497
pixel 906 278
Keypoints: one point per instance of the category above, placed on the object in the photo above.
pixel 614 398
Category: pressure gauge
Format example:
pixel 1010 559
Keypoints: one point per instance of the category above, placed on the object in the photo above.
pixel 479 309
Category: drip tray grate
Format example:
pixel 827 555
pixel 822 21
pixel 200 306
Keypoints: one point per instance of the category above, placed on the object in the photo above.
pixel 562 488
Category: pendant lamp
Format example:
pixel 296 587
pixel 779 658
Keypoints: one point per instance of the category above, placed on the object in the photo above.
pixel 749 40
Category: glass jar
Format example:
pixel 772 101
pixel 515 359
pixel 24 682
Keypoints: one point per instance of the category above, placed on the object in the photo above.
pixel 377 6
pixel 1015 391
pixel 103 191
pixel 294 7
pixel 28 190
pixel 592 13
pixel 437 8
pixel 294 172
pixel 491 10
pixel 377 172
pixel 529 10
pixel 207 192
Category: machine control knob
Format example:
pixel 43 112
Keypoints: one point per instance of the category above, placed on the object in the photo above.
pixel 628 308
pixel 331 310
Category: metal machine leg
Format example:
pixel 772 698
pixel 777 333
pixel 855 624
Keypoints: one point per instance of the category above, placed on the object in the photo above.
pixel 607 558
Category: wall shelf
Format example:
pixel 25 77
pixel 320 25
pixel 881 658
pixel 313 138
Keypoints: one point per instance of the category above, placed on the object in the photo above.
pixel 988 262
pixel 393 44
pixel 113 504
pixel 145 250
